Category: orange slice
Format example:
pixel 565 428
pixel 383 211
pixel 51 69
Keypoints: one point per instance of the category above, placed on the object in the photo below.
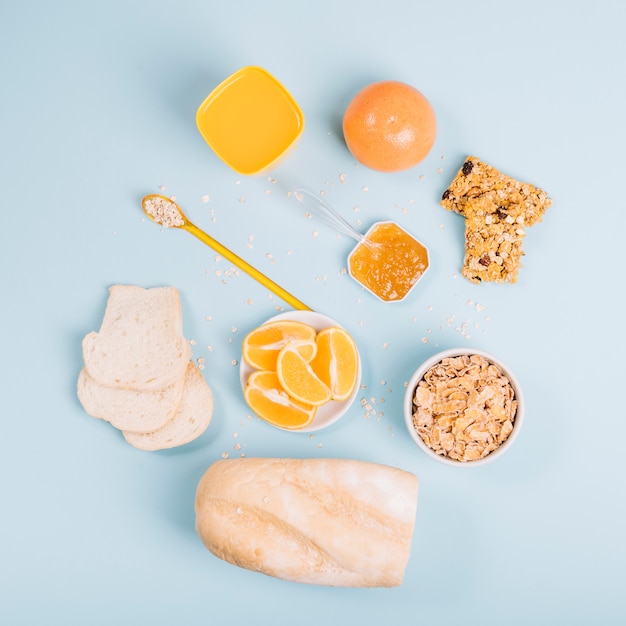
pixel 261 346
pixel 265 396
pixel 336 362
pixel 298 379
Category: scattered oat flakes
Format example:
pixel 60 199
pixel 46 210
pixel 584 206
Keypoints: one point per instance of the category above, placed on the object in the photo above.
pixel 205 198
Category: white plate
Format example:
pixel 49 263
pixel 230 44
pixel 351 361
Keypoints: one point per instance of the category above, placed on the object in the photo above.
pixel 328 413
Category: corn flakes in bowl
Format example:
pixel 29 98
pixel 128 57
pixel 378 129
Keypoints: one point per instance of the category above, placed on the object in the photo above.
pixel 463 407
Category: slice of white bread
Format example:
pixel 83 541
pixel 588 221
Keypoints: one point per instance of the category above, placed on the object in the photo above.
pixel 320 521
pixel 190 420
pixel 130 409
pixel 140 344
pixel 138 374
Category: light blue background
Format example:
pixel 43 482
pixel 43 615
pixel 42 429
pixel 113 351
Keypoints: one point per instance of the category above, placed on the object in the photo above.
pixel 97 109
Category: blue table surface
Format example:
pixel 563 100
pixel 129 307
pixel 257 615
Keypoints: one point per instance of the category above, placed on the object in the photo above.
pixel 98 109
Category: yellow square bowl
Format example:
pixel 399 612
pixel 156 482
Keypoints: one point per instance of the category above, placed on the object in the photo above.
pixel 250 121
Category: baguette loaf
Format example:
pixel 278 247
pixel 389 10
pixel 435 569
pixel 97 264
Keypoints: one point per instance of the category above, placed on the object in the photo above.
pixel 140 344
pixel 190 420
pixel 330 522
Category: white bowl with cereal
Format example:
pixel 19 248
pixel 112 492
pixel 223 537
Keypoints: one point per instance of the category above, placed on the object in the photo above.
pixel 463 407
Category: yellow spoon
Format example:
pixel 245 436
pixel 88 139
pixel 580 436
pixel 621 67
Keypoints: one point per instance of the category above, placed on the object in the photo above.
pixel 168 214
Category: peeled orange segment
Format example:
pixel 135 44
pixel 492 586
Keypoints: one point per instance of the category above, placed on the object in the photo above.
pixel 336 362
pixel 299 380
pixel 261 346
pixel 265 396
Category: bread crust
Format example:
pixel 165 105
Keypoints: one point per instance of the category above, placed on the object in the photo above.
pixel 319 521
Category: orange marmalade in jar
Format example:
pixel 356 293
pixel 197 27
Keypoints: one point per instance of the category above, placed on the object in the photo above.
pixel 388 262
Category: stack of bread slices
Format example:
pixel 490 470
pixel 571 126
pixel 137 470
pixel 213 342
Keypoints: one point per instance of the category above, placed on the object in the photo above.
pixel 138 373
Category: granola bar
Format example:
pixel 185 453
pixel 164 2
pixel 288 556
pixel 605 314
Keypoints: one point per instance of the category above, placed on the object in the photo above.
pixel 497 209
pixel 493 242
pixel 476 179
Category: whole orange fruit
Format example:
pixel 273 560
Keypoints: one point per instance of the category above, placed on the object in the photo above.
pixel 389 126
